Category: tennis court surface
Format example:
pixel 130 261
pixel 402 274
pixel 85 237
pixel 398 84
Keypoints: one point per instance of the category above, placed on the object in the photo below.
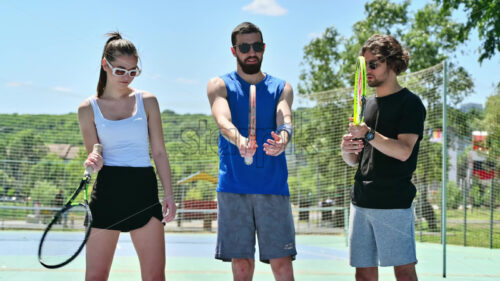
pixel 190 257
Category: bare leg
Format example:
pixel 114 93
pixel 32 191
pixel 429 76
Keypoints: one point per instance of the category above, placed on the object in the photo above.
pixel 405 272
pixel 149 243
pixel 99 252
pixel 243 269
pixel 366 273
pixel 282 269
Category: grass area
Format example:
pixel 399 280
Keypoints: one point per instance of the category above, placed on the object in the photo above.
pixel 477 228
pixel 482 213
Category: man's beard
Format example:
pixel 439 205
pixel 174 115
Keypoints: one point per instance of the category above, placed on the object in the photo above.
pixel 250 68
pixel 374 83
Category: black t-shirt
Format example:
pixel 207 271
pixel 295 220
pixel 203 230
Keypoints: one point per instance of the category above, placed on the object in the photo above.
pixel 383 182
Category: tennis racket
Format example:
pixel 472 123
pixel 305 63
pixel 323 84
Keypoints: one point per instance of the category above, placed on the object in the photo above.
pixel 359 92
pixel 252 121
pixel 67 233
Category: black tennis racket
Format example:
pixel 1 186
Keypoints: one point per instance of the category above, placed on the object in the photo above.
pixel 67 233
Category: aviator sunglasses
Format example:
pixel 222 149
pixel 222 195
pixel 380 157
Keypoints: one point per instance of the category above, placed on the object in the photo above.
pixel 245 47
pixel 373 64
pixel 118 71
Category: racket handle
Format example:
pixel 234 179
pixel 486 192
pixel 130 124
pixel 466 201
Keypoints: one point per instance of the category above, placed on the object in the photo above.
pixel 248 160
pixel 96 149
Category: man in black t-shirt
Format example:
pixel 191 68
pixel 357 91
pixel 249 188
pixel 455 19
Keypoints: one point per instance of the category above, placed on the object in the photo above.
pixel 385 149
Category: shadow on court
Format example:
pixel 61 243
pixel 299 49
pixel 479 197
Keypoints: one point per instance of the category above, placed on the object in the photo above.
pixel 190 257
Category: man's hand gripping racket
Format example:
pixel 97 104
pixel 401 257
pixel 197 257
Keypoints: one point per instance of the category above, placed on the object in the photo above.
pixel 350 144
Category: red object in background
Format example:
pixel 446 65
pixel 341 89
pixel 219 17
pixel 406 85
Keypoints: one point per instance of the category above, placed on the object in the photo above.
pixel 479 140
pixel 199 205
pixel 483 170
pixel 484 175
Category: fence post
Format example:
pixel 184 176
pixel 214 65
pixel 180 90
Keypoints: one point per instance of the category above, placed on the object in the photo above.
pixel 444 166
pixel 464 184
pixel 420 202
pixel 492 201
pixel 4 178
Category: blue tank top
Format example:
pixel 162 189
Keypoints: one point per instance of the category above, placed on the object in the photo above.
pixel 267 174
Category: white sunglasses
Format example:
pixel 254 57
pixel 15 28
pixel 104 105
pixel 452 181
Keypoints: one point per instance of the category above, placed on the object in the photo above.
pixel 118 71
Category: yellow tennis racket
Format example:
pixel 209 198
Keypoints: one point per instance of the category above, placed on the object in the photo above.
pixel 359 92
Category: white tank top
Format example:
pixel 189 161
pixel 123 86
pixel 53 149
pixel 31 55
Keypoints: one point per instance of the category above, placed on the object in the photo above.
pixel 125 142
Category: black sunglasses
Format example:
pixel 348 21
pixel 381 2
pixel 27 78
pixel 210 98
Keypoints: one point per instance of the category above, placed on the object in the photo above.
pixel 374 63
pixel 245 47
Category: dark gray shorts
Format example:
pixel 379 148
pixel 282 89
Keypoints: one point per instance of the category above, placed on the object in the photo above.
pixel 241 216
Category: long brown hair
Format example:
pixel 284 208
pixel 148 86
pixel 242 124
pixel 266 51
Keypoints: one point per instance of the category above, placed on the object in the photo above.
pixel 115 46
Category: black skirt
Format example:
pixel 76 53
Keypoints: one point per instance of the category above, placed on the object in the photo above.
pixel 125 198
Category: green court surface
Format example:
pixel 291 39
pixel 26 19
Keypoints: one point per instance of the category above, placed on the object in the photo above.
pixel 190 257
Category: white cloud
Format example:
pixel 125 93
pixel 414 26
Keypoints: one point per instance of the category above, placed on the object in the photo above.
pixel 61 89
pixel 186 81
pixel 265 7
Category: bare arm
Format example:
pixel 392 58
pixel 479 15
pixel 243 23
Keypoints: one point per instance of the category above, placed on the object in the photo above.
pixel 217 97
pixel 89 134
pixel 283 116
pixel 400 148
pixel 159 154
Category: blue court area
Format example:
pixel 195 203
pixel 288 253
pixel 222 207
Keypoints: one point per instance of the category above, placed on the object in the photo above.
pixel 190 257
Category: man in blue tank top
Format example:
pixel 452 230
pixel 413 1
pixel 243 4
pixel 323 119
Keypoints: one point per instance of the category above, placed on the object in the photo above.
pixel 253 198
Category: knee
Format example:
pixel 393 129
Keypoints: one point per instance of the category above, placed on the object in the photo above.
pixel 406 273
pixel 242 269
pixel 282 267
pixel 365 276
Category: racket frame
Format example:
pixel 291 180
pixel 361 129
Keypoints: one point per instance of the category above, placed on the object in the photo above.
pixel 252 120
pixel 359 91
pixel 70 204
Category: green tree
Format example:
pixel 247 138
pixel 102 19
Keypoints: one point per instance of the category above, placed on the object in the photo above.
pixel 23 150
pixel 482 15
pixel 44 192
pixel 492 126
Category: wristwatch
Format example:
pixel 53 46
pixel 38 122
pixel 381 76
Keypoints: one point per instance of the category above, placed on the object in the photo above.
pixel 370 135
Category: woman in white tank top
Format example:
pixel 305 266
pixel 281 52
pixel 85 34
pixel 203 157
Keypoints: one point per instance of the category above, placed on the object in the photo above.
pixel 127 123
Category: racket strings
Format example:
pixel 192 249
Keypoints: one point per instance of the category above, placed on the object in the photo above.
pixel 64 239
pixel 359 91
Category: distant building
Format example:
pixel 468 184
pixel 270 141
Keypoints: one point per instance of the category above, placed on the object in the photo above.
pixel 64 151
pixel 466 107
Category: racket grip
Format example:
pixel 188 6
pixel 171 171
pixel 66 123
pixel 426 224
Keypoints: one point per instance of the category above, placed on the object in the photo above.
pixel 96 149
pixel 248 160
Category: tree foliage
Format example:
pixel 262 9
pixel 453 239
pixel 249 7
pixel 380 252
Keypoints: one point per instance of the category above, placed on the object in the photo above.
pixel 492 126
pixel 482 15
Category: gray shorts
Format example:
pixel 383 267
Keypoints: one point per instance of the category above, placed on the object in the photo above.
pixel 241 216
pixel 384 237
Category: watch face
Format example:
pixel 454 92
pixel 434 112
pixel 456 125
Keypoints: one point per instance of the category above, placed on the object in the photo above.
pixel 369 136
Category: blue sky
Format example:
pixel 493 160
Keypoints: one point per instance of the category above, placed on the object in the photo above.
pixel 51 49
